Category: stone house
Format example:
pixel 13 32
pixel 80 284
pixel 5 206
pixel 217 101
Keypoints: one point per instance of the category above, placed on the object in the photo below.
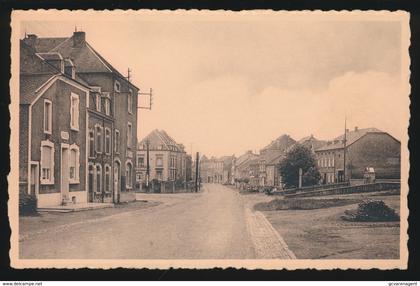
pixel 241 165
pixel 227 176
pixel 52 132
pixel 369 147
pixel 168 160
pixel 111 117
pixel 212 170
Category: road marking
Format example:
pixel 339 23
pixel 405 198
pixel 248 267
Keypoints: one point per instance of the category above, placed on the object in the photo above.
pixel 268 243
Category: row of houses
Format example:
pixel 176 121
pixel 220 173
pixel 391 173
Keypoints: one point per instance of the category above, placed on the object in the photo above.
pixel 78 123
pixel 364 148
pixel 217 170
pixel 166 160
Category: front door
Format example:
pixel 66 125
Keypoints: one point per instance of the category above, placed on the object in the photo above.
pixel 64 174
pixel 91 184
pixel 117 185
pixel 34 180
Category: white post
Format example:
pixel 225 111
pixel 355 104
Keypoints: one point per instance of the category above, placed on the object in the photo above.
pixel 300 178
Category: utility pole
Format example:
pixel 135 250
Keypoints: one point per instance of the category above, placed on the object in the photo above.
pixel 196 171
pixel 345 143
pixel 147 166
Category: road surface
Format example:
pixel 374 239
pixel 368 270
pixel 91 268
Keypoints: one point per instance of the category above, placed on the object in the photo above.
pixel 207 225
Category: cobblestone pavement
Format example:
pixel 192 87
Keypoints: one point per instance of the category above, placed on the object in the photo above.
pixel 268 243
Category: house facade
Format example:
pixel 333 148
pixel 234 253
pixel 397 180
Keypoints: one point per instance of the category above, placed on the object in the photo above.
pixel 369 147
pixel 212 170
pixel 111 131
pixel 241 166
pixel 53 123
pixel 168 160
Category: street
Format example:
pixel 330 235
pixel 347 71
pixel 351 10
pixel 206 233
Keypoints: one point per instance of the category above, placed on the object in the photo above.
pixel 212 224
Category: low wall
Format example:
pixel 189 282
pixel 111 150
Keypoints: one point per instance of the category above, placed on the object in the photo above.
pixel 313 188
pixel 374 187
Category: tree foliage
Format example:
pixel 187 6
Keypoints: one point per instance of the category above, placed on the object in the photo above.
pixel 299 157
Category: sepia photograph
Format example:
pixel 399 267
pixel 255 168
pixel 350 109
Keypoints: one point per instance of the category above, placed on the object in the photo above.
pixel 201 139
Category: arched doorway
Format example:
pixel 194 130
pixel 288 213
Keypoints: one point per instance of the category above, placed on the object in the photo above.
pixel 117 182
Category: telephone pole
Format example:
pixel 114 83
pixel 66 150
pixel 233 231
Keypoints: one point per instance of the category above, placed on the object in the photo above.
pixel 196 172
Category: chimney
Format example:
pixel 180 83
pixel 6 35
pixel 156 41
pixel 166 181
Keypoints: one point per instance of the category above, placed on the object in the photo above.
pixel 30 40
pixel 347 130
pixel 79 39
pixel 356 128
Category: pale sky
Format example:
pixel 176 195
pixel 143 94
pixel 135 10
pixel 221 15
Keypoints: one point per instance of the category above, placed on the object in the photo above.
pixel 227 86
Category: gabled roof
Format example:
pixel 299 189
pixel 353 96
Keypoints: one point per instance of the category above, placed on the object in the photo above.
pixel 85 58
pixel 50 56
pixel 281 143
pixel 35 72
pixel 244 158
pixel 311 142
pixel 29 84
pixel 351 137
pixel 159 139
pixel 271 156
pixel 44 45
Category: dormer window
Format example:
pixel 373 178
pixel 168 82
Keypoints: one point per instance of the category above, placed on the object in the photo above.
pixel 69 68
pixel 117 86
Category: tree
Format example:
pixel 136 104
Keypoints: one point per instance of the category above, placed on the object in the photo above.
pixel 299 157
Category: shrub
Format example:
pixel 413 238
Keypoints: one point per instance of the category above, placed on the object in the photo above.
pixel 27 204
pixel 371 210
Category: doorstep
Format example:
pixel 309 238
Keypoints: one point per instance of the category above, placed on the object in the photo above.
pixel 76 207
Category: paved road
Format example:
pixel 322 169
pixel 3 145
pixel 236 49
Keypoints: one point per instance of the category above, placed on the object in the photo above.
pixel 208 225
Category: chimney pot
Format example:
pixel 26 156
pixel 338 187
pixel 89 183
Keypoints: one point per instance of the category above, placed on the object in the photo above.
pixel 79 39
pixel 356 128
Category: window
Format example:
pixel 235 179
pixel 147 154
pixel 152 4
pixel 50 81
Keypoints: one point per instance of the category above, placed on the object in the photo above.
pixel 107 103
pixel 47 162
pixel 128 175
pixel 74 111
pixel 47 116
pixel 107 106
pixel 129 134
pixel 91 143
pixel 107 178
pixel 140 161
pixel 117 86
pixel 98 102
pixel 98 179
pixel 159 160
pixel 159 174
pixel 98 141
pixel 117 141
pixel 107 140
pixel 74 164
pixel 130 101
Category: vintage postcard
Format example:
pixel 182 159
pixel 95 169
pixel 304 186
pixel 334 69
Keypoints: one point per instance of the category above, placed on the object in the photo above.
pixel 201 139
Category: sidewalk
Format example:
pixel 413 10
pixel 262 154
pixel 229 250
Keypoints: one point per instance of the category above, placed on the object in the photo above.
pixel 47 221
pixel 268 243
pixel 76 207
